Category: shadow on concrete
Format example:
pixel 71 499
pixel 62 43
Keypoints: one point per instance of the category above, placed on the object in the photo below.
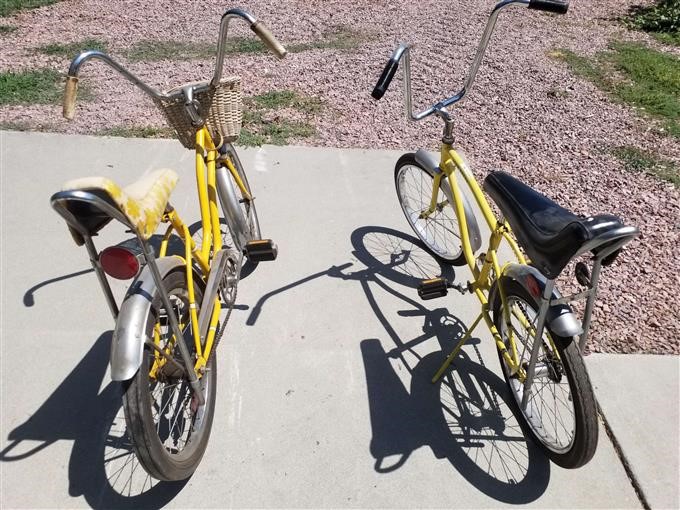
pixel 466 417
pixel 102 467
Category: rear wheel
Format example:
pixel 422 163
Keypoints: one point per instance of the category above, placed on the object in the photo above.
pixel 561 414
pixel 169 429
pixel 439 231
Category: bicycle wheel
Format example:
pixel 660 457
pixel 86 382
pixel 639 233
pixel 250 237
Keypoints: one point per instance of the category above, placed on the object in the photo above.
pixel 561 413
pixel 439 231
pixel 169 430
pixel 239 212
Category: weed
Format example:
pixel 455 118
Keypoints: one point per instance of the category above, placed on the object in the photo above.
pixel 637 160
pixel 29 87
pixel 7 29
pixel 287 99
pixel 8 7
pixel 261 128
pixel 72 49
pixel 175 50
pixel 637 75
pixel 663 17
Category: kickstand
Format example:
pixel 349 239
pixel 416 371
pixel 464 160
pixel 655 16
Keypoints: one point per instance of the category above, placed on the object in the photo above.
pixel 456 349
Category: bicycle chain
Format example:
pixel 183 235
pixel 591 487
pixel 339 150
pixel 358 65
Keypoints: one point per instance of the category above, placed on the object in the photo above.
pixel 230 305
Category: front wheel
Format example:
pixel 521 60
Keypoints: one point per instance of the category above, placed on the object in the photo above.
pixel 439 230
pixel 168 427
pixel 561 413
pixel 239 211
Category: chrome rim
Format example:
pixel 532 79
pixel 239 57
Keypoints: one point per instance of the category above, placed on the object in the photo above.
pixel 550 408
pixel 175 411
pixel 439 231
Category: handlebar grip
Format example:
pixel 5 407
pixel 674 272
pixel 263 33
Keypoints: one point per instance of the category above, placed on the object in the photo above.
pixel 269 39
pixel 70 93
pixel 556 6
pixel 385 79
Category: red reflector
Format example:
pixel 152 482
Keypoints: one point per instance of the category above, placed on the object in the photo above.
pixel 533 286
pixel 119 263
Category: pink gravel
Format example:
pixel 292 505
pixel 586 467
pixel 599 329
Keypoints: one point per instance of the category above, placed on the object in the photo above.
pixel 511 120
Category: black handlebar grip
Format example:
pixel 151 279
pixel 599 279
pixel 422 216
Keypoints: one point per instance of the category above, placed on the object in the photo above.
pixel 555 6
pixel 385 79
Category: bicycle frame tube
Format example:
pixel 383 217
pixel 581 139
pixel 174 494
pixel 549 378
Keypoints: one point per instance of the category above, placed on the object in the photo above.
pixel 450 163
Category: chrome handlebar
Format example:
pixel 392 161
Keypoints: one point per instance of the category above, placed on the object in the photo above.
pixel 256 26
pixel 403 52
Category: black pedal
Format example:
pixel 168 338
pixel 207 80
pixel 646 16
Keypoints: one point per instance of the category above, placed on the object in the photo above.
pixel 434 288
pixel 260 250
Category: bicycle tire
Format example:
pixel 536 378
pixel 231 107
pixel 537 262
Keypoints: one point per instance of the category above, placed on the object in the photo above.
pixel 581 399
pixel 248 211
pixel 158 426
pixel 412 179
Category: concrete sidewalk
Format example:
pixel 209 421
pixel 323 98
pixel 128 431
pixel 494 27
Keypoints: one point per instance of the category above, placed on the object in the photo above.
pixel 324 399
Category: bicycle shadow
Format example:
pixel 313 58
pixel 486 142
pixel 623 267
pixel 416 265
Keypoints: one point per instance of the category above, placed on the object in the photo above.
pixel 465 418
pixel 102 467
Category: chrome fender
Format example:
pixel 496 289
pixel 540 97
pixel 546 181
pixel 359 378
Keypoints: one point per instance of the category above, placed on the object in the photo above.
pixel 431 164
pixel 127 345
pixel 231 208
pixel 560 318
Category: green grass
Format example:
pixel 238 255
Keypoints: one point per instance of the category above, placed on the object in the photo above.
pixel 72 49
pixel 286 99
pixel 634 74
pixel 138 132
pixel 670 39
pixel 149 51
pixel 8 7
pixel 262 122
pixel 30 87
pixel 637 160
pixel 7 29
pixel 26 126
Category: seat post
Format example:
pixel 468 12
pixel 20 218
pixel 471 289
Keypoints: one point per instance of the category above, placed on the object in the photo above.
pixel 103 282
pixel 538 339
pixel 594 278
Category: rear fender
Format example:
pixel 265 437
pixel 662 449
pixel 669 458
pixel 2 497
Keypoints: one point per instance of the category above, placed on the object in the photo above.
pixel 560 318
pixel 127 345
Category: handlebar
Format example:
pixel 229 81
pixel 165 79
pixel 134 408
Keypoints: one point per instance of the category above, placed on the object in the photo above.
pixel 256 26
pixel 403 52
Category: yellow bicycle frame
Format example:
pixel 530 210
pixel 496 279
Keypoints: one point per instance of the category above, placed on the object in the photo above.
pixel 198 259
pixel 451 163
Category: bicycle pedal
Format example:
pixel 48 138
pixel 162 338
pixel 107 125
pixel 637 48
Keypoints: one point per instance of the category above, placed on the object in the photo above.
pixel 434 288
pixel 261 250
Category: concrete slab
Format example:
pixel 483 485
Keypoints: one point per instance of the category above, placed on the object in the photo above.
pixel 323 397
pixel 639 395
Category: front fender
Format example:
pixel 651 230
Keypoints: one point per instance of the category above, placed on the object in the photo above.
pixel 560 318
pixel 127 345
pixel 430 163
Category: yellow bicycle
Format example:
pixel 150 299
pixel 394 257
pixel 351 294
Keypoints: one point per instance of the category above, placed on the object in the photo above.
pixel 168 325
pixel 538 337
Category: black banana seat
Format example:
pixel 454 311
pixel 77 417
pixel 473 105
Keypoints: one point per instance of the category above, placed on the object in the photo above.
pixel 550 234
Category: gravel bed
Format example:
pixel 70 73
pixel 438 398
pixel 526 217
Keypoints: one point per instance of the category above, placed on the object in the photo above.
pixel 527 114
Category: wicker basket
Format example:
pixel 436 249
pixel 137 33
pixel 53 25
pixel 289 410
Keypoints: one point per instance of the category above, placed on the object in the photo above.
pixel 220 107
